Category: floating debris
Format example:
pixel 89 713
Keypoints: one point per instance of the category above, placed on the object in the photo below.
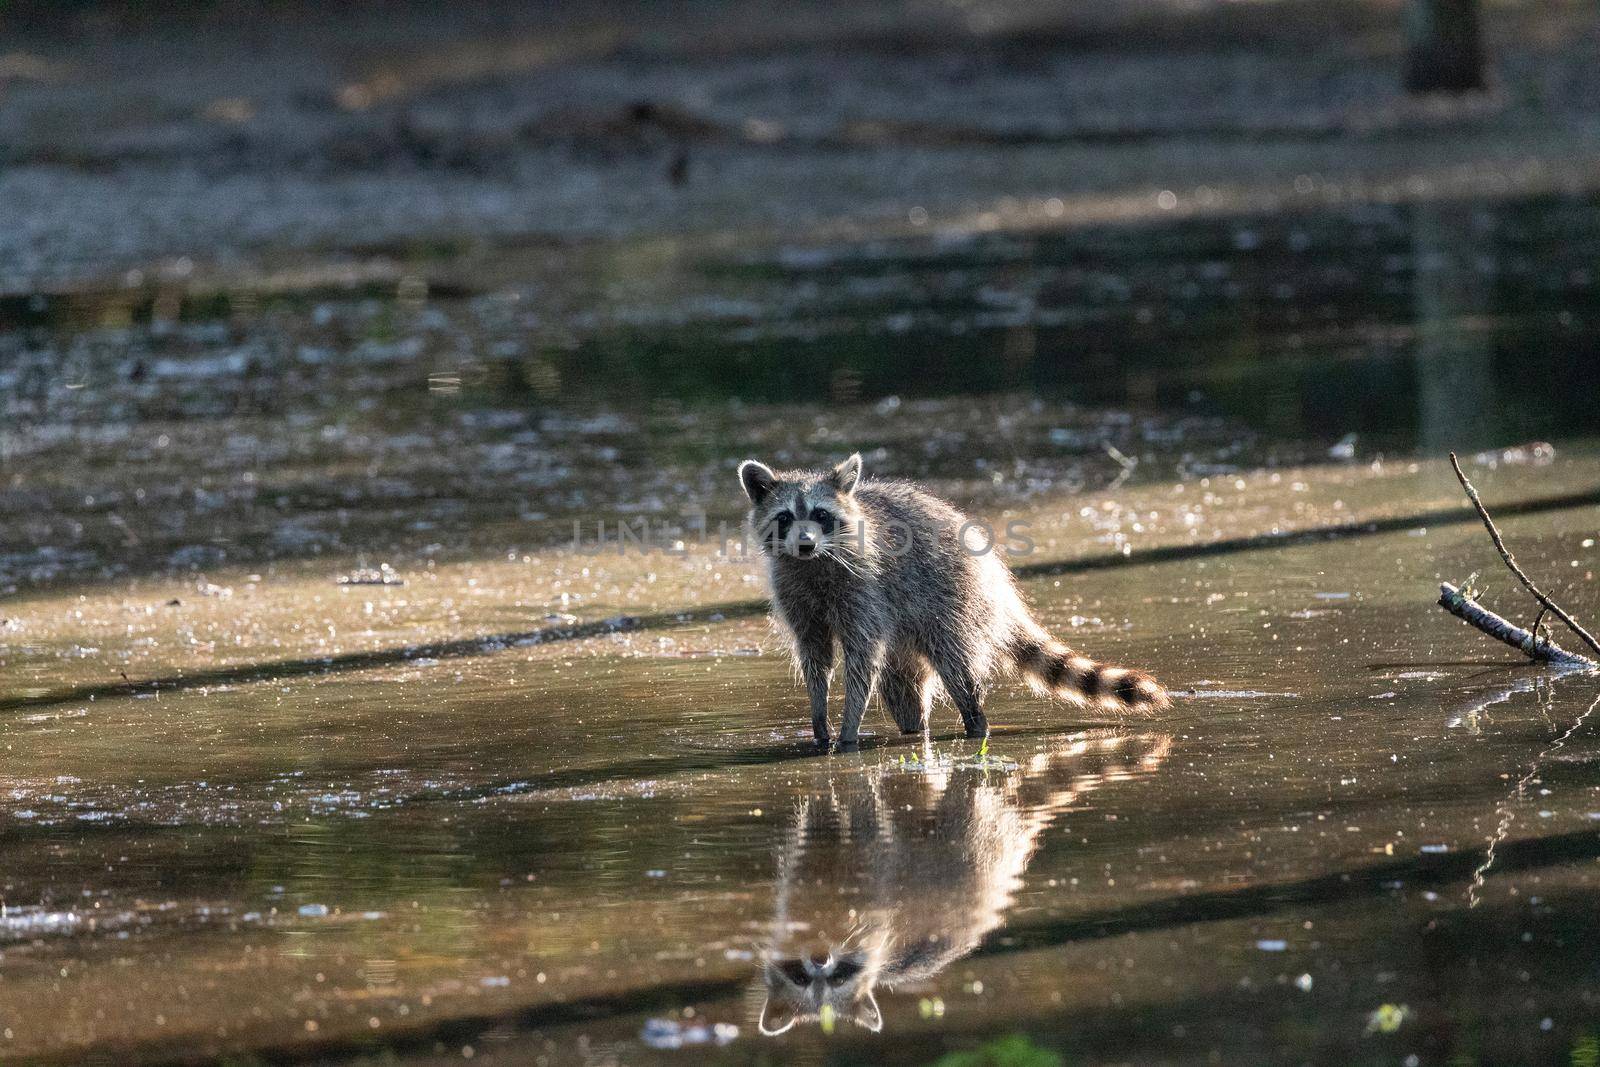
pixel 1387 1018
pixel 32 922
pixel 670 1034
pixel 383 574
pixel 1531 453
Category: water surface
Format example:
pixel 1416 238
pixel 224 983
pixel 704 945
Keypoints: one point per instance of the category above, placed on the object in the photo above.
pixel 530 803
pixel 583 849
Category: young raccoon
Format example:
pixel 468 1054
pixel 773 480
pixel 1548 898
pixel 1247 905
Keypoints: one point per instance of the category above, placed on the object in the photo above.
pixel 880 567
pixel 887 878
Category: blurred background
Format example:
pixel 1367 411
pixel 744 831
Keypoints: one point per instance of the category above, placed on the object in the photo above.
pixel 297 237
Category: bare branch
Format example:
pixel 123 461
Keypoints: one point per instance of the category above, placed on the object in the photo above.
pixel 1505 554
pixel 1541 650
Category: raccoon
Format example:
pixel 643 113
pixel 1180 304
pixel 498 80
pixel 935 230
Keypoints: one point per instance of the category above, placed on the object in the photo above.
pixel 887 878
pixel 881 568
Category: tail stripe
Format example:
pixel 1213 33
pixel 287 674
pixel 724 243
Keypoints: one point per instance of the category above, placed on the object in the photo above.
pixel 1063 673
pixel 1094 681
pixel 1057 670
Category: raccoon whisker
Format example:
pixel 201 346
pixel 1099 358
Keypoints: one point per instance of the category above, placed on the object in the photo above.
pixel 844 544
pixel 853 568
pixel 846 540
pixel 849 568
pixel 846 557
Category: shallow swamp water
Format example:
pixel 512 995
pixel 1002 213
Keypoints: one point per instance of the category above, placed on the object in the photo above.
pixel 324 743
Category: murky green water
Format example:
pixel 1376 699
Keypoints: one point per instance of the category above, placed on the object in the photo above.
pixel 534 805
pixel 1378 319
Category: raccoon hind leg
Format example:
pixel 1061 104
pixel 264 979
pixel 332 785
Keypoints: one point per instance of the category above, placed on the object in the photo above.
pixel 964 685
pixel 907 686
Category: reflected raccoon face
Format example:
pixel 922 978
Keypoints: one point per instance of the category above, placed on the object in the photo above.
pixel 816 986
pixel 805 514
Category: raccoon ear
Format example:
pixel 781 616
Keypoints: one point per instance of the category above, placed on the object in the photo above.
pixel 757 479
pixel 848 473
pixel 776 1018
pixel 868 1015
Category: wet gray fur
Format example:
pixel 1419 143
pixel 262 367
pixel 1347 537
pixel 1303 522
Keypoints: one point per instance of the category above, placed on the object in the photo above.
pixel 879 575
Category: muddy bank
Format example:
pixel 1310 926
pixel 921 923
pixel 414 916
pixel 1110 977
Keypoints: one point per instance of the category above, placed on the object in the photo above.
pixel 230 142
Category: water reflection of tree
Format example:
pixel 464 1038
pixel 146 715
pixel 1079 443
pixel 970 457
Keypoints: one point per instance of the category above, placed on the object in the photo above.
pixel 1506 810
pixel 1452 266
pixel 1444 46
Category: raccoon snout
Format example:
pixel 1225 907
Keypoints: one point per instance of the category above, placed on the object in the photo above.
pixel 806 541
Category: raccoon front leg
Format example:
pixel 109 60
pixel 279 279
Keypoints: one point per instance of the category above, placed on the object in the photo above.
pixel 863 659
pixel 814 647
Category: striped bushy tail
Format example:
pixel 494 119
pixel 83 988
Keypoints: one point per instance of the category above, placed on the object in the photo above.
pixel 1056 670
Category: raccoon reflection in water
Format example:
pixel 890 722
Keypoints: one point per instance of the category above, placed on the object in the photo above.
pixel 888 875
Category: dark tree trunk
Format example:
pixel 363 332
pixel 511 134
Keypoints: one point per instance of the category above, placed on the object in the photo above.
pixel 1444 46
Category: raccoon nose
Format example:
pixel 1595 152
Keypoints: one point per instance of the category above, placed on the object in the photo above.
pixel 820 959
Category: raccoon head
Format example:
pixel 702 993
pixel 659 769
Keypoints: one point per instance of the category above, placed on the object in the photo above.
pixel 820 986
pixel 806 514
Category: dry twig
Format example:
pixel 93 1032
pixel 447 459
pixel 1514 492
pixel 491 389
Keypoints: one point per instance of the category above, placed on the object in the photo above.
pixel 1461 604
pixel 1465 607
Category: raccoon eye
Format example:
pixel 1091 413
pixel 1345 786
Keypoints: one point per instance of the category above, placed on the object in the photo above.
pixel 795 971
pixel 823 518
pixel 843 971
pixel 777 528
